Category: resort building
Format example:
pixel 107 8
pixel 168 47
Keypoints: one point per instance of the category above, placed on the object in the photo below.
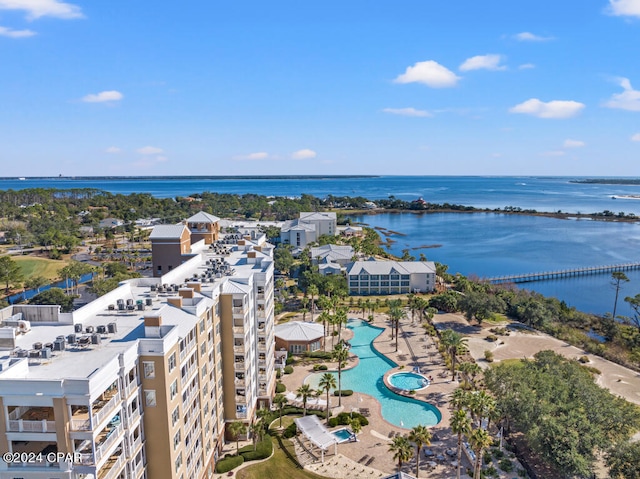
pixel 298 337
pixel 308 228
pixel 391 277
pixel 150 370
pixel 331 258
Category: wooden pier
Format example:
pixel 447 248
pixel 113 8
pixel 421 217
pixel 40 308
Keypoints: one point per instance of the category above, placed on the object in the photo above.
pixel 564 273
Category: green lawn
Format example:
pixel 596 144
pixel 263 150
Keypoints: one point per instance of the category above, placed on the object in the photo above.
pixel 281 464
pixel 33 266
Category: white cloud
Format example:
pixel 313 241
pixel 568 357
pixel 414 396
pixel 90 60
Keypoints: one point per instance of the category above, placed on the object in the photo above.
pixel 150 150
pixel 429 73
pixel 569 143
pixel 43 8
pixel 9 32
pixel 114 150
pixel 530 37
pixel 261 155
pixel 629 8
pixel 407 112
pixel 635 137
pixel 103 96
pixel 629 99
pixel 551 109
pixel 526 66
pixel 482 62
pixel 304 154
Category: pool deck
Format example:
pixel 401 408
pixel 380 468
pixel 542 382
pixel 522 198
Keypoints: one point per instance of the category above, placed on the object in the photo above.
pixel 369 456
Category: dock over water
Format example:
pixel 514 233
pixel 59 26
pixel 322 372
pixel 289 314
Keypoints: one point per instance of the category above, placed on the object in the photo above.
pixel 564 273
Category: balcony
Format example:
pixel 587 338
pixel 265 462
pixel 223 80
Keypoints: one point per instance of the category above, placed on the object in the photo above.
pixel 260 296
pixel 133 417
pixel 102 409
pixel 112 467
pixel 129 389
pixel 137 470
pixel 109 437
pixel 85 459
pixel 240 383
pixel 135 445
pixel 239 366
pixel 239 330
pixel 184 380
pixel 187 349
pixel 238 348
pixel 239 310
pixel 31 419
pixel 262 346
pixel 80 425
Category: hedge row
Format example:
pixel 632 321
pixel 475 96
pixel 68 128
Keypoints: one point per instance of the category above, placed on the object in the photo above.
pixel 263 450
pixel 343 392
pixel 228 463
pixel 343 419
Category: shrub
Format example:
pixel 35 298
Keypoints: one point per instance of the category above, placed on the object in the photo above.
pixel 487 458
pixel 278 373
pixel 280 388
pixel 491 471
pixel 320 367
pixel 492 338
pixel 583 359
pixel 413 391
pixel 343 392
pixel 506 465
pixel 289 360
pixel 290 431
pixel 488 356
pixel 326 355
pixel 497 453
pixel 343 419
pixel 263 450
pixel 288 369
pixel 228 463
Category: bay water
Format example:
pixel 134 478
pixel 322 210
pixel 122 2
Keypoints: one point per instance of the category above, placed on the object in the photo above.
pixel 481 244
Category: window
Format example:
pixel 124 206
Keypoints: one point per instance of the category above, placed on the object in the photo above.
pixel 202 326
pixel 150 397
pixel 203 349
pixel 178 462
pixel 176 440
pixel 175 416
pixel 173 389
pixel 149 368
pixel 172 362
pixel 204 371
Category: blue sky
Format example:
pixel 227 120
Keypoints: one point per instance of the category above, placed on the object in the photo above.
pixel 456 87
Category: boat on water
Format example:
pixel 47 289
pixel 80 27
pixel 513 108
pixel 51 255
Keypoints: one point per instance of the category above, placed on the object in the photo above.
pixel 22 178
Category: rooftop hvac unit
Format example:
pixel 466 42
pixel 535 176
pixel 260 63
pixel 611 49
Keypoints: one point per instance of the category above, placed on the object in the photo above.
pixel 129 302
pixel 71 339
pixel 112 307
pixel 120 301
pixel 102 329
pixel 37 345
pixel 77 327
pixel 95 339
pixel 34 353
pixel 121 306
pixel 89 329
pixel 24 326
pixel 112 328
pixel 45 353
pixel 149 301
pixel 140 306
pixel 58 345
pixel 49 345
pixel 22 353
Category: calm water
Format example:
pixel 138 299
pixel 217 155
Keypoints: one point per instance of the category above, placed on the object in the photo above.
pixel 480 244
pixel 366 378
pixel 496 244
pixel 542 194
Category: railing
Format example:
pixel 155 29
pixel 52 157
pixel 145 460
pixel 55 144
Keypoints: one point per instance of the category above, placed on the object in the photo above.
pixel 133 416
pixel 137 469
pixel 262 392
pixel 262 346
pixel 238 330
pixel 80 425
pixel 262 313
pixel 34 464
pixel 137 442
pixel 238 310
pixel 238 348
pixel 239 382
pixel 18 412
pixel 114 436
pixel 21 425
pixel 241 415
pixel 239 365
pixel 115 468
pixel 241 399
pixel 187 349
pixel 190 371
pixel 129 388
pixel 106 409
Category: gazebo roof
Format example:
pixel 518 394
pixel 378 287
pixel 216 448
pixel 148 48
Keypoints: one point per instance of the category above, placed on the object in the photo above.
pixel 315 431
pixel 299 331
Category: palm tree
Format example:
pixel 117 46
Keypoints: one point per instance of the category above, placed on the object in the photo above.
pixel 340 354
pixel 280 400
pixel 256 429
pixel 481 406
pixel 455 344
pixel 327 383
pixel 356 425
pixel 470 371
pixel 261 415
pixel 313 291
pixel 304 392
pixel 396 313
pixel 420 436
pixel 402 450
pixel 236 428
pixel 479 440
pixel 460 399
pixel 460 425
pixel 341 318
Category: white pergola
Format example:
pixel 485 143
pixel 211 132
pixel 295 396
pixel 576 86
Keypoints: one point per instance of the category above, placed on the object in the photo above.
pixel 315 431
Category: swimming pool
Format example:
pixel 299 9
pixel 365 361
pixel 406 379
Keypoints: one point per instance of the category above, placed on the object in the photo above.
pixel 409 381
pixel 367 376
pixel 342 435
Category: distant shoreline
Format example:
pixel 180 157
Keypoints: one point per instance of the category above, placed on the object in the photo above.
pixel 608 181
pixel 189 177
